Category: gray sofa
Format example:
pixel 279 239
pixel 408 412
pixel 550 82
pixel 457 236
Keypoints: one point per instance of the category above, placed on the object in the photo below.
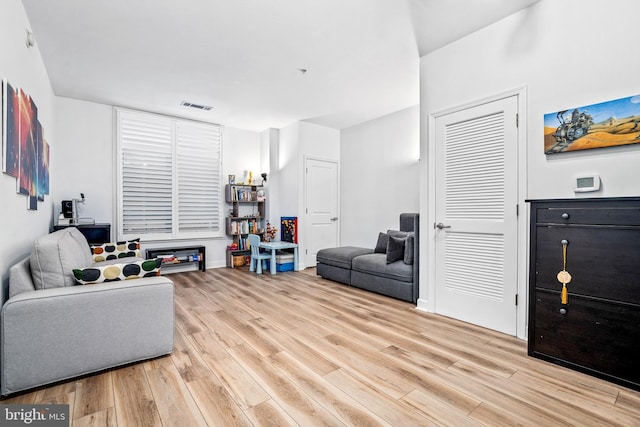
pixel 52 329
pixel 369 269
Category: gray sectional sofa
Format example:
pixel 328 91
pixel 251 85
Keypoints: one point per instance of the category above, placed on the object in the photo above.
pixel 52 329
pixel 391 268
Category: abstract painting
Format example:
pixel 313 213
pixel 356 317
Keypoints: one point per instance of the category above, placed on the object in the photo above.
pixel 607 124
pixel 25 152
pixel 10 130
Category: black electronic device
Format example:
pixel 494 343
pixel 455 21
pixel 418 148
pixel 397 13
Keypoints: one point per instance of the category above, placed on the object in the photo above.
pixel 67 208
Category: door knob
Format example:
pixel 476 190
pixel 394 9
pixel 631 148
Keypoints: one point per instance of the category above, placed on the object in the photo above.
pixel 335 218
pixel 440 226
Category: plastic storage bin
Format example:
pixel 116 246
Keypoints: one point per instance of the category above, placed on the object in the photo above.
pixel 284 262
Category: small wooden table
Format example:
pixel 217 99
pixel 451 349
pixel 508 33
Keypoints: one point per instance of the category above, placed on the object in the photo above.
pixel 274 246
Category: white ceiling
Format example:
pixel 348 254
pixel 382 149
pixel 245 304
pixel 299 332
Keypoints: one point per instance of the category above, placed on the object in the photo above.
pixel 242 57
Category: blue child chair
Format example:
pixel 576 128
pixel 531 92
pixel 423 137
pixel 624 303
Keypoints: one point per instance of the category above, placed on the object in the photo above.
pixel 258 259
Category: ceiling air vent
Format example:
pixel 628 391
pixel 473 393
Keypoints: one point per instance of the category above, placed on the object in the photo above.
pixel 196 106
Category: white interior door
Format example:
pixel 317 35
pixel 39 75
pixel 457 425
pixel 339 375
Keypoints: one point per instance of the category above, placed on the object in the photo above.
pixel 476 215
pixel 321 208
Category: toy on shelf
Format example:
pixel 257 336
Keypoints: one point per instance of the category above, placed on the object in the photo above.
pixel 271 232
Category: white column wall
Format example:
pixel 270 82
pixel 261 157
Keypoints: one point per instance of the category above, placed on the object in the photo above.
pixel 23 67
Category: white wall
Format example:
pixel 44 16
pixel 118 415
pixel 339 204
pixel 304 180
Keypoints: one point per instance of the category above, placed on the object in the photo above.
pixel 87 164
pixel 241 153
pixel 289 171
pixel 86 155
pixel 23 67
pixel 319 143
pixel 297 142
pixel 270 144
pixel 379 175
pixel 566 53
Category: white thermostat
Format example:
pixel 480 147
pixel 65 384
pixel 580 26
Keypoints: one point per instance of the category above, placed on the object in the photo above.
pixel 586 183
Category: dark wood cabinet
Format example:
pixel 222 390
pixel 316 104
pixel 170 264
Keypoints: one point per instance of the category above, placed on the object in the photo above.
pixel 598 330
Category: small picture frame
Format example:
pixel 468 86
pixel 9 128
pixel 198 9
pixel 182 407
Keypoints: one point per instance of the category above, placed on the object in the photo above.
pixel 232 179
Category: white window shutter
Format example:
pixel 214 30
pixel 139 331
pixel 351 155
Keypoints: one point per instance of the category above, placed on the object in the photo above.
pixel 198 180
pixel 146 175
pixel 169 184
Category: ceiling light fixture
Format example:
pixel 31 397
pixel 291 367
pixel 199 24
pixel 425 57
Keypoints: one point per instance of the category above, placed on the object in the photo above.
pixel 196 106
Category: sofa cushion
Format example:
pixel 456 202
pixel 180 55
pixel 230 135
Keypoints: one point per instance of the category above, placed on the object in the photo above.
pixel 20 278
pixel 342 256
pixel 376 264
pixel 55 255
pixel 399 234
pixel 409 243
pixel 114 272
pixel 409 249
pixel 395 249
pixel 115 250
pixel 381 244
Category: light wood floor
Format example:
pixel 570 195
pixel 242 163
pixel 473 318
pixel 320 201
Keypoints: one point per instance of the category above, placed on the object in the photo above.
pixel 294 349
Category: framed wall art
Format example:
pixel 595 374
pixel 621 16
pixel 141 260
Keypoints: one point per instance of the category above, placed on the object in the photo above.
pixel 607 124
pixel 25 152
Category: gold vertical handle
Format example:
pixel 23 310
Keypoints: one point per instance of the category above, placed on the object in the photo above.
pixel 564 277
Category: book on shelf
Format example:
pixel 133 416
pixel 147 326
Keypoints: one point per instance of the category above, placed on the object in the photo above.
pixel 243 194
pixel 243 244
pixel 168 259
pixel 245 226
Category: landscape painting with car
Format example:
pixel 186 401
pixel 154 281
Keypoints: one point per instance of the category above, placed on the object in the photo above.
pixel 601 125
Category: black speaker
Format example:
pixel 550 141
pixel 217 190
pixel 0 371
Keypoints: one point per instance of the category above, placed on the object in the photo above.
pixel 67 208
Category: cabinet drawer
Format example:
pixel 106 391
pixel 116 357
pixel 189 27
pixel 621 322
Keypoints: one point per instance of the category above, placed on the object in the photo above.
pixel 599 337
pixel 603 262
pixel 595 216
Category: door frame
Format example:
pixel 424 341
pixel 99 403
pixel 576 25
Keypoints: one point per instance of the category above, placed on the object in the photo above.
pixel 426 302
pixel 302 255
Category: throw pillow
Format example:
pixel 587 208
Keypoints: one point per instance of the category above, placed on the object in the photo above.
pixel 115 250
pixel 395 249
pixel 398 233
pixel 408 248
pixel 114 272
pixel 381 245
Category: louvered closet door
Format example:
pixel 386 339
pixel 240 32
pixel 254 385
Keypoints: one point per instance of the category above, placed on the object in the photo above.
pixel 476 218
